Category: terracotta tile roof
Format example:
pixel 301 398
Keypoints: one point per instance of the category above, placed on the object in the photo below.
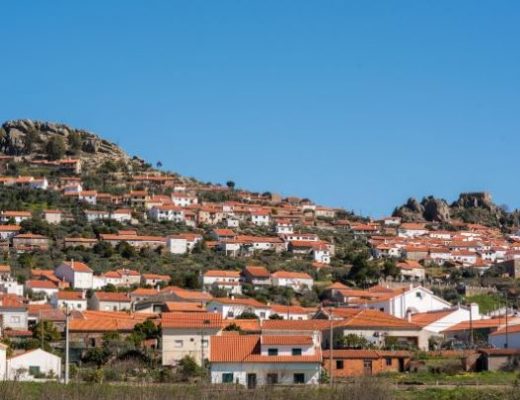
pixel 103 325
pixel 77 266
pixel 144 292
pixel 377 319
pixel 510 329
pixel 172 306
pixel 43 284
pixel 221 273
pixel 276 340
pixel 427 318
pixel 157 277
pixel 189 295
pixel 113 297
pixel 247 325
pixel 4 268
pixel 257 272
pixel 296 325
pixel 492 323
pixel 8 301
pixel 246 301
pixel 246 349
pixel 180 320
pixel 361 353
pixel 69 295
pixel 9 228
pixel 291 275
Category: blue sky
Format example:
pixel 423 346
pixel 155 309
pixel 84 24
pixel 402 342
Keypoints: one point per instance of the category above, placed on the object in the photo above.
pixel 351 103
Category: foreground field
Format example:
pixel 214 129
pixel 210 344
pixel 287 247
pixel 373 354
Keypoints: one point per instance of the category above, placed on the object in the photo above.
pixel 363 389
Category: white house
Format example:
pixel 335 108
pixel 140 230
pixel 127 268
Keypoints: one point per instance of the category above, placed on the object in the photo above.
pixel 121 215
pixel 260 217
pixel 231 308
pixel 48 288
pixel 78 274
pixel 34 365
pixel 252 360
pixel 183 200
pixel 182 243
pixel 299 281
pixel 412 270
pixel 96 215
pixel 88 196
pixel 440 320
pixel 411 230
pixel 14 312
pixel 70 300
pixel 16 216
pixel 414 300
pixel 168 212
pixel 283 226
pixel 321 253
pixel 227 280
pixel 110 301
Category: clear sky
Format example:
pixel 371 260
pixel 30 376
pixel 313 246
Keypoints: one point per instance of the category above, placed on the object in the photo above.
pixel 359 104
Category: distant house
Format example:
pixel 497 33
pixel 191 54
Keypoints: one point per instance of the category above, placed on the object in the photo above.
pixel 260 217
pixel 53 216
pixel 71 300
pixel 96 215
pixel 284 226
pixel 168 212
pixel 14 312
pixel 257 276
pixel 88 196
pixel 188 334
pixel 15 216
pixel 30 242
pixel 181 199
pixel 78 274
pixel 225 280
pixel 298 281
pixel 34 365
pixel 253 360
pixel 411 230
pixel 155 279
pixel 231 308
pixel 109 301
pixel 411 270
pixel 182 243
pixel 8 231
pixel 46 287
pixel 121 215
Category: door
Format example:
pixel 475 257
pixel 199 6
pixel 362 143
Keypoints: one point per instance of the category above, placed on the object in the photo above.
pixel 401 365
pixel 251 381
pixel 367 367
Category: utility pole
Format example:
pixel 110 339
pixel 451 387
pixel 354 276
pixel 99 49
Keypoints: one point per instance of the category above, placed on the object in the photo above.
pixel 67 344
pixel 507 328
pixel 42 331
pixel 470 327
pixel 331 348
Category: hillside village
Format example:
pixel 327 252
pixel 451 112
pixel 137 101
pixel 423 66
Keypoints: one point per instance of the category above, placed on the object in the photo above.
pixel 142 269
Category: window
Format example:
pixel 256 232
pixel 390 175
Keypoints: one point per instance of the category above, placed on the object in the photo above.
pixel 296 352
pixel 15 319
pixel 179 343
pixel 418 294
pixel 34 370
pixel 299 378
pixel 230 314
pixel 262 315
pixel 272 379
pixel 388 361
pixel 382 309
pixel 340 364
pixel 204 343
pixel 272 352
pixel 227 377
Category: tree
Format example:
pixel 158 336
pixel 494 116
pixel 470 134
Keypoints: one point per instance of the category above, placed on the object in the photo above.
pixel 390 269
pixel 353 341
pixel 75 142
pixel 30 139
pixel 230 185
pixel 48 331
pixel 188 368
pixel 275 316
pixel 247 315
pixel 126 250
pixel 55 148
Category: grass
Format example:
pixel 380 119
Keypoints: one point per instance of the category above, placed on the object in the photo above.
pixel 463 378
pixel 486 302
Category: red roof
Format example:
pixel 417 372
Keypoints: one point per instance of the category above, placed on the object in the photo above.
pixel 190 320
pixel 77 266
pixel 291 275
pixel 246 349
pixel 257 272
pixel 113 297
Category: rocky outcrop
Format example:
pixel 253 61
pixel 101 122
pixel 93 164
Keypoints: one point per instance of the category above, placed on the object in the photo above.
pixel 29 139
pixel 475 208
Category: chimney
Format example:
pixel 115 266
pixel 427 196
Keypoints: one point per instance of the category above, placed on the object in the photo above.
pixel 409 316
pixel 475 311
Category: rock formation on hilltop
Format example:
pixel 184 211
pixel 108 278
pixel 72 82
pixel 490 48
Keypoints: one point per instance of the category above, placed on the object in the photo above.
pixel 475 207
pixel 35 139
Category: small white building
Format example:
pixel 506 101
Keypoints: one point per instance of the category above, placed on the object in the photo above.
pixel 88 196
pixel 226 280
pixel 168 212
pixel 96 215
pixel 69 300
pixel 182 243
pixel 183 200
pixel 121 215
pixel 414 300
pixel 34 365
pixel 231 308
pixel 260 218
pixel 78 274
pixel 298 281
pixel 252 360
pixel 440 320
pixel 48 288
pixel 110 301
